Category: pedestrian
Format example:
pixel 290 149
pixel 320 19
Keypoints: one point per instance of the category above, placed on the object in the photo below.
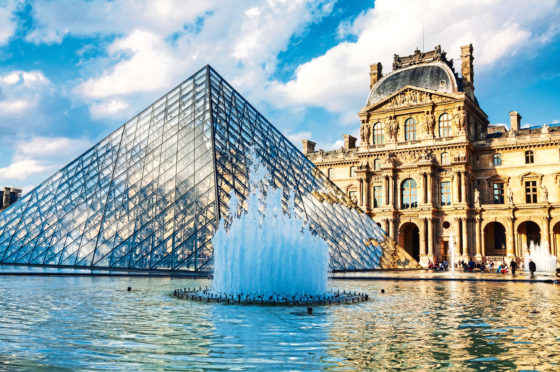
pixel 513 266
pixel 532 267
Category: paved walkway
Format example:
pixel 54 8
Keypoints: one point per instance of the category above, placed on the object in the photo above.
pixel 413 275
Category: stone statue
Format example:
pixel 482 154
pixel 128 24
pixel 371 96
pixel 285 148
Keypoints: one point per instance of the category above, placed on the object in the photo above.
pixel 429 123
pixel 368 133
pixel 363 133
pixel 544 191
pixel 393 127
pixel 476 198
pixel 544 129
pixel 396 62
pixel 460 117
pixel 510 195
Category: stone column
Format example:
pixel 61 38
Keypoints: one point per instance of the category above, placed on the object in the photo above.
pixel 546 237
pixel 430 187
pixel 455 188
pixel 422 195
pixel 422 242
pixel 398 201
pixel 385 191
pixel 465 245
pixel 477 233
pixel 361 191
pixel 510 239
pixel 463 187
pixel 457 235
pixel 367 198
pixel 391 190
pixel 430 237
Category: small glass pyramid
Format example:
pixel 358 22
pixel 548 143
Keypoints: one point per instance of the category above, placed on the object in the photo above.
pixel 150 195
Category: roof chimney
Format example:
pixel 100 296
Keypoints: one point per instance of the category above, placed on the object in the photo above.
pixel 349 142
pixel 308 146
pixel 375 73
pixel 467 69
pixel 514 120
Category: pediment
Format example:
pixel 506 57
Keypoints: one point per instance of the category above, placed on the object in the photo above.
pixel 409 96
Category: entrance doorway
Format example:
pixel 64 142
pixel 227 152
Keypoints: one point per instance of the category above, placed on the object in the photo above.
pixel 495 239
pixel 409 239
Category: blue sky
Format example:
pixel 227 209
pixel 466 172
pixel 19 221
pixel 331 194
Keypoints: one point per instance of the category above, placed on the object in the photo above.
pixel 71 71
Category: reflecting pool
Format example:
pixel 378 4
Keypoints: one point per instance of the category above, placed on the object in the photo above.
pixel 94 323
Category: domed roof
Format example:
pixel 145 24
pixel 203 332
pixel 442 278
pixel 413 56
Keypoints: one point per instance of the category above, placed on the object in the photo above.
pixel 436 76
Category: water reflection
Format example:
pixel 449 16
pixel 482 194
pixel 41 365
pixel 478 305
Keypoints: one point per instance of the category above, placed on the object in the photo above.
pixel 94 323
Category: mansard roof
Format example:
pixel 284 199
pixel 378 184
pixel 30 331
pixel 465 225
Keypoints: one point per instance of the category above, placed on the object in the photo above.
pixel 435 76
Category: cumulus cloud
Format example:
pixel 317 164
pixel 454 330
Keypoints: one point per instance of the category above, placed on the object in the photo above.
pixel 7 21
pixel 40 157
pixel 108 108
pixel 338 80
pixel 20 91
pixel 238 38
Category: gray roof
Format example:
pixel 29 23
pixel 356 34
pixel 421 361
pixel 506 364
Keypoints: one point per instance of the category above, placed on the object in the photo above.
pixel 436 76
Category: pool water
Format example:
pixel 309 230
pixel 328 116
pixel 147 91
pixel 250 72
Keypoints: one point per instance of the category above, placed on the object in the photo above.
pixel 94 323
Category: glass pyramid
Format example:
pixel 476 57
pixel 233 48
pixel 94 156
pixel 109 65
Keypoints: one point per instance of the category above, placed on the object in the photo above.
pixel 150 195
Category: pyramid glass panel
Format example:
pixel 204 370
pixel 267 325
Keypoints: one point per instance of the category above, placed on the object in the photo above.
pixel 150 195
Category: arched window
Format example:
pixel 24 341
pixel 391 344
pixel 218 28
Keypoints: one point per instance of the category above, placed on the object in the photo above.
pixel 352 171
pixel 409 195
pixel 378 133
pixel 444 125
pixel 410 129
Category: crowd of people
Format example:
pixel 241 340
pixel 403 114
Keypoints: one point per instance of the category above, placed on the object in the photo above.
pixel 483 267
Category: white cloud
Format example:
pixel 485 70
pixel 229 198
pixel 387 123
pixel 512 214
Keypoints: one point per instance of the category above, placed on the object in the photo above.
pixel 338 80
pixel 7 22
pixel 14 106
pixel 556 121
pixel 239 38
pixel 108 108
pixel 41 156
pixel 296 138
pixel 20 91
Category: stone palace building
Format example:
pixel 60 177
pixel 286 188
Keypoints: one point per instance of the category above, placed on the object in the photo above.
pixel 429 166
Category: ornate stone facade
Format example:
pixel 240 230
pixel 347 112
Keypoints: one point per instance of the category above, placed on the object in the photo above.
pixel 430 166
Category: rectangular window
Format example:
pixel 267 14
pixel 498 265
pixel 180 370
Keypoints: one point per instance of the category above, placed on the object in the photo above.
pixel 498 192
pixel 446 193
pixel 529 157
pixel 331 173
pixel 530 191
pixel 377 196
pixel 444 158
pixel 353 195
pixel 352 171
pixel 497 159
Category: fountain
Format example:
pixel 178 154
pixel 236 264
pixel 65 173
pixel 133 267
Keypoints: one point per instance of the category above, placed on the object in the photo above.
pixel 542 258
pixel 265 254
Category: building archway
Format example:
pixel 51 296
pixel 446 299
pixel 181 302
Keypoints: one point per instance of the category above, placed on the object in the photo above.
pixel 495 239
pixel 409 239
pixel 555 249
pixel 527 232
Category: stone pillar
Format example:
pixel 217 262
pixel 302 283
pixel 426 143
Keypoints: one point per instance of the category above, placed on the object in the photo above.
pixel 463 187
pixel 457 235
pixel 455 188
pixel 367 197
pixel 422 194
pixel 465 245
pixel 510 239
pixel 398 201
pixel 430 238
pixel 361 191
pixel 385 191
pixel 546 237
pixel 430 187
pixel 391 191
pixel 477 234
pixel 422 243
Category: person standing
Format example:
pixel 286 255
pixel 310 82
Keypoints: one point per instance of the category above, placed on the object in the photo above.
pixel 513 266
pixel 532 267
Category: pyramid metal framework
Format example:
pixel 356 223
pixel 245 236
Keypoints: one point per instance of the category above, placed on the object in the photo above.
pixel 150 195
